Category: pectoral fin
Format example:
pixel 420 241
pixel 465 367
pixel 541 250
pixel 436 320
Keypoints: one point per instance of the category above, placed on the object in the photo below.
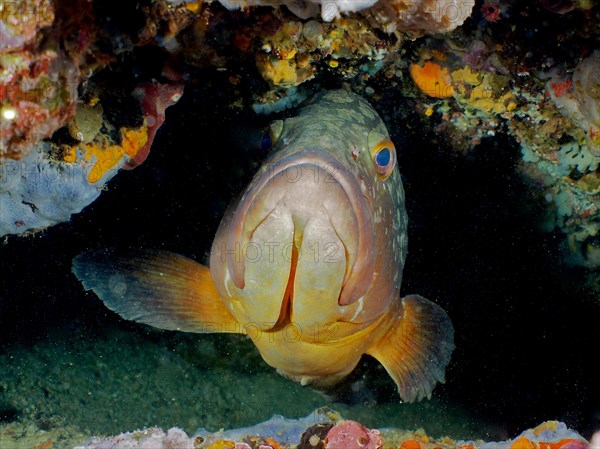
pixel 417 347
pixel 158 288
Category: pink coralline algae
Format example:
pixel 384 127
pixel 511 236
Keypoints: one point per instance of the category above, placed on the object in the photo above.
pixel 21 20
pixel 419 17
pixel 416 17
pixel 344 434
pixel 351 435
pixel 153 438
pixel 37 96
pixel 154 98
pixel 38 77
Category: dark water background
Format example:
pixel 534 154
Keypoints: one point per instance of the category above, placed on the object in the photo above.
pixel 527 330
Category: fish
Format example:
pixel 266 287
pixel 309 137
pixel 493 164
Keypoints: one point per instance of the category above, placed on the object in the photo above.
pixel 307 262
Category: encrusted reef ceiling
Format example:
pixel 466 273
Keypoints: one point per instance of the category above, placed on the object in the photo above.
pixel 84 86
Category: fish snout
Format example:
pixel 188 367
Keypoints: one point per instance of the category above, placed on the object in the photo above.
pixel 306 242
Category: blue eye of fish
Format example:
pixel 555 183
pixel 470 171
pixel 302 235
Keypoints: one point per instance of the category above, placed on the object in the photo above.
pixel 383 157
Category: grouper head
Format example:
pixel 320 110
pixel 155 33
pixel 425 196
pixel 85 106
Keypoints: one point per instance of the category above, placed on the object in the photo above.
pixel 319 235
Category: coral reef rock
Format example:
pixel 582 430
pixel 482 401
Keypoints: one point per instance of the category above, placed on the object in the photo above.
pixel 414 16
pixel 326 429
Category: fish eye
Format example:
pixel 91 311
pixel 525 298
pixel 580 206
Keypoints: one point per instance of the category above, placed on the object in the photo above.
pixel 384 158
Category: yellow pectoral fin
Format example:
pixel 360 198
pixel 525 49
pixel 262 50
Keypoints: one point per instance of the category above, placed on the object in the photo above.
pixel 416 348
pixel 158 288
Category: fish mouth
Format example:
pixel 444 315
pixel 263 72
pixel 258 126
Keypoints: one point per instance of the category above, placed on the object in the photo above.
pixel 307 240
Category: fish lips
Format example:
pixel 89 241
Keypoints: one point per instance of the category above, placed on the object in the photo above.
pixel 305 240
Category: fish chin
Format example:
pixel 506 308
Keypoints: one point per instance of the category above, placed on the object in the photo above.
pixel 306 236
